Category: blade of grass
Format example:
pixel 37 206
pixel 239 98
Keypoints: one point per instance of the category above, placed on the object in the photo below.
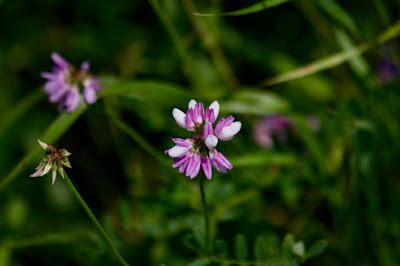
pixel 248 10
pixel 53 132
pixel 340 16
pixel 211 45
pixel 358 63
pixel 26 104
pixel 333 60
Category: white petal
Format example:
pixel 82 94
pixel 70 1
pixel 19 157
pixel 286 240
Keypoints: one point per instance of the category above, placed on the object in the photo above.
pixel 178 151
pixel 180 117
pixel 61 171
pixel 230 131
pixel 54 176
pixel 44 145
pixel 215 107
pixel 211 142
pixel 192 103
pixel 46 169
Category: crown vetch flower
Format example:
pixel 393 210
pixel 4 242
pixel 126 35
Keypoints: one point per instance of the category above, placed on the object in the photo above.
pixel 65 83
pixel 199 152
pixel 54 159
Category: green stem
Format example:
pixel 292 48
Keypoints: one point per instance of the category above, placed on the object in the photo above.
pixel 93 218
pixel 206 221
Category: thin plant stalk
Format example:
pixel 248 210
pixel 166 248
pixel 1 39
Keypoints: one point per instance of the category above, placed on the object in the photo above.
pixel 333 60
pixel 206 220
pixel 93 218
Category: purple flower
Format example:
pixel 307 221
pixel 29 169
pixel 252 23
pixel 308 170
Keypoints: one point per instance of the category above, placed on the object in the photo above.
pixel 190 155
pixel 52 160
pixel 272 126
pixel 65 83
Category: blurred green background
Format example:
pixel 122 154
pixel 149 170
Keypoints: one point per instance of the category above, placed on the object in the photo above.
pixel 339 183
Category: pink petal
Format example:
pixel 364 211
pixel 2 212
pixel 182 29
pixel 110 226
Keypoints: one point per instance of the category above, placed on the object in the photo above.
pixel 206 166
pixel 207 130
pixel 90 94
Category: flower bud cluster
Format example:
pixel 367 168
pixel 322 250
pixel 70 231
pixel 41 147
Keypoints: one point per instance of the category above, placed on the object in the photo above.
pixel 53 160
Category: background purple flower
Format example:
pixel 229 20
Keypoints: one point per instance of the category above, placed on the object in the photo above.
pixel 269 127
pixel 65 83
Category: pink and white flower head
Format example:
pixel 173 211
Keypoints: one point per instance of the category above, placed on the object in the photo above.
pixel 65 83
pixel 53 160
pixel 199 152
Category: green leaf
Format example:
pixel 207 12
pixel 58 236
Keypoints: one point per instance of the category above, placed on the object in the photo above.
pixel 260 250
pixel 241 249
pixel 154 92
pixel 263 158
pixel 251 101
pixel 338 14
pixel 317 248
pixel 248 10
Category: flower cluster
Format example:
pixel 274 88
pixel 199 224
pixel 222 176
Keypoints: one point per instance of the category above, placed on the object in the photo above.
pixel 199 152
pixel 65 82
pixel 52 160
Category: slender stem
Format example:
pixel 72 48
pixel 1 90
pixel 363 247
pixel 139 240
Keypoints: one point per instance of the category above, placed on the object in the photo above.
pixel 93 218
pixel 206 221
